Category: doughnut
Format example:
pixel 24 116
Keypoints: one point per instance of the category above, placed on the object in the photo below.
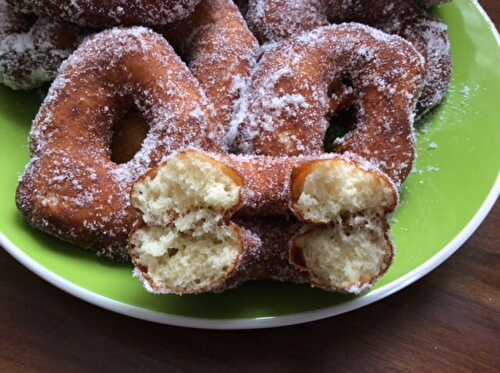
pixel 31 49
pixel 220 51
pixel 72 189
pixel 191 240
pixel 430 38
pixel 108 13
pixel 346 258
pixel 289 102
pixel 273 20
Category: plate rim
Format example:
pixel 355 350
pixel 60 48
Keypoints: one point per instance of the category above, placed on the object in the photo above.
pixel 271 321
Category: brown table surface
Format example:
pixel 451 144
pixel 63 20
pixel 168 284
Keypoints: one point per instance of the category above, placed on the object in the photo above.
pixel 448 321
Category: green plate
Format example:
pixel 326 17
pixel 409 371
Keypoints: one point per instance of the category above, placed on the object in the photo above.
pixel 455 184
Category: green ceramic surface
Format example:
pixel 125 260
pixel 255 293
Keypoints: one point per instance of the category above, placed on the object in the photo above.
pixel 458 166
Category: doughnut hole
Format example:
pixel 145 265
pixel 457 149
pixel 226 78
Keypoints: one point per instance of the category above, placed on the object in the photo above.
pixel 323 191
pixel 341 123
pixel 128 135
pixel 342 114
pixel 193 261
pixel 344 257
pixel 188 189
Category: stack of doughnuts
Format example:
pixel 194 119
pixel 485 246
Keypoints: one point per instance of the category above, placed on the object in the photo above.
pixel 179 138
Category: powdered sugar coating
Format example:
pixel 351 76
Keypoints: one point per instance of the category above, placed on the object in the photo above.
pixel 110 12
pixel 273 20
pixel 220 51
pixel 71 189
pixel 270 259
pixel 288 104
pixel 30 54
pixel 430 37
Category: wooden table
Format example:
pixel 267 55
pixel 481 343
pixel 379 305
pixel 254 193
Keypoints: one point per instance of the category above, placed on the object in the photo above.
pixel 449 321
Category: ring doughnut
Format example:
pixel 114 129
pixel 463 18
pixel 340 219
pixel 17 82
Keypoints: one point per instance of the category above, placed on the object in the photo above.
pixel 272 20
pixel 290 99
pixel 108 13
pixel 71 188
pixel 191 241
pixel 31 52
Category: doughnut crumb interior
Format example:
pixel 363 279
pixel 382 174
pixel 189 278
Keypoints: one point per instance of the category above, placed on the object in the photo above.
pixel 187 246
pixel 352 250
pixel 192 261
pixel 328 189
pixel 187 189
pixel 346 257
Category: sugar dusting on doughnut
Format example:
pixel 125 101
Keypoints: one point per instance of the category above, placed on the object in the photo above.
pixel 429 36
pixel 220 51
pixel 431 39
pixel 30 53
pixel 71 189
pixel 279 19
pixel 288 105
pixel 111 12
pixel 273 20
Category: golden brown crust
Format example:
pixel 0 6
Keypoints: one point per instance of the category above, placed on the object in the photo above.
pixel 269 257
pixel 220 51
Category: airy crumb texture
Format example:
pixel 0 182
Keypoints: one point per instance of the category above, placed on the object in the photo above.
pixel 180 262
pixel 187 247
pixel 183 188
pixel 334 188
pixel 346 258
